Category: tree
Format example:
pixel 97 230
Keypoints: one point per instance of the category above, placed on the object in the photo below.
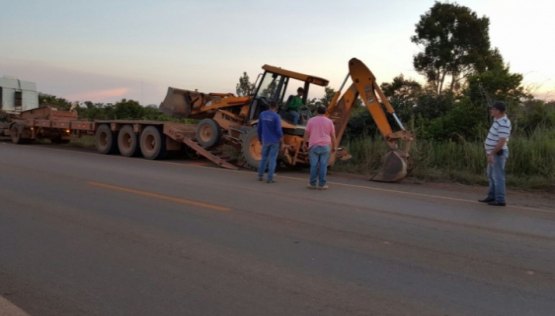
pixel 462 122
pixel 328 95
pixel 497 83
pixel 456 43
pixel 92 111
pixel 54 101
pixel 128 109
pixel 403 95
pixel 244 87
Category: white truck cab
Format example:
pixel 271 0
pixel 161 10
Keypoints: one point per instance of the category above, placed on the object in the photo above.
pixel 17 95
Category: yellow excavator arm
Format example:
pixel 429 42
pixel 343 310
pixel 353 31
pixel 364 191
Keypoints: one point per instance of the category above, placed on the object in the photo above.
pixel 364 86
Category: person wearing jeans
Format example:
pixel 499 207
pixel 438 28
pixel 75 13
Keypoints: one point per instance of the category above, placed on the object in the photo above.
pixel 497 152
pixel 318 157
pixel 320 136
pixel 496 178
pixel 270 135
pixel 268 161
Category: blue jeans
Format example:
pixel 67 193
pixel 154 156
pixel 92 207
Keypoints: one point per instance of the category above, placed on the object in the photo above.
pixel 318 157
pixel 496 177
pixel 295 116
pixel 269 157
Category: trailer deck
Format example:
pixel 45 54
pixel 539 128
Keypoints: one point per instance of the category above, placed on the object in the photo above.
pixel 130 138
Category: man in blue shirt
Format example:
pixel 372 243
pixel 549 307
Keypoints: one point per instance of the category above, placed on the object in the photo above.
pixel 270 135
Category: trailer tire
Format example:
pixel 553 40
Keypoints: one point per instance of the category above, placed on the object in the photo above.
pixel 128 141
pixel 251 148
pixel 152 143
pixel 105 140
pixel 16 132
pixel 19 134
pixel 208 133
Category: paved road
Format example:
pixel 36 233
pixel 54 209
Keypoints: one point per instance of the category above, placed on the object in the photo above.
pixel 87 234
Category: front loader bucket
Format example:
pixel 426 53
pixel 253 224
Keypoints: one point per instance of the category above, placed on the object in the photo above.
pixel 177 103
pixel 394 168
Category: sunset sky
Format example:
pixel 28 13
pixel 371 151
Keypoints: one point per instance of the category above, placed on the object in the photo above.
pixel 106 50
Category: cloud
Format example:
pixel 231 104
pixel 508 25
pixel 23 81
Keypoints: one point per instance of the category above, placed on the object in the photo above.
pixel 102 96
pixel 80 85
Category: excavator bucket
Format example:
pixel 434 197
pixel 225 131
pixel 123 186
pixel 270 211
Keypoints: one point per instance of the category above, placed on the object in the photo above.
pixel 394 167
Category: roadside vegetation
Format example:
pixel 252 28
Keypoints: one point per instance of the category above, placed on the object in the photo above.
pixel 531 164
pixel 448 113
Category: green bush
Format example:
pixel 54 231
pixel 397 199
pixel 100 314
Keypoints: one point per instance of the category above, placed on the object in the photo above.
pixel 531 162
pixel 534 155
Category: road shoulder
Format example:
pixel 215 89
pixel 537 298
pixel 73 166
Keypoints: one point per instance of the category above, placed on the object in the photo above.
pixel 9 309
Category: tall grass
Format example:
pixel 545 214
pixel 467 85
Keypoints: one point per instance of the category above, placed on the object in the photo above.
pixel 531 162
pixel 532 159
pixel 366 156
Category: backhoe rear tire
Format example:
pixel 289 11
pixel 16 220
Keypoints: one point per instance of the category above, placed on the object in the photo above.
pixel 251 148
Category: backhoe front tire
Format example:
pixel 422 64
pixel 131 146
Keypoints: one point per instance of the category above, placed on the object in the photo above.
pixel 208 133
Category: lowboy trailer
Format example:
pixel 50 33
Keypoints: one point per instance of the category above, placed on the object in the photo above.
pixel 151 139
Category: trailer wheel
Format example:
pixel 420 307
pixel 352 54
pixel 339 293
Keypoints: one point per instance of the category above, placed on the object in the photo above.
pixel 20 135
pixel 16 132
pixel 208 133
pixel 105 140
pixel 251 148
pixel 152 143
pixel 128 142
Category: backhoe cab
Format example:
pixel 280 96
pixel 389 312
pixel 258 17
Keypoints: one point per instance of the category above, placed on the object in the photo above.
pixel 226 118
pixel 273 87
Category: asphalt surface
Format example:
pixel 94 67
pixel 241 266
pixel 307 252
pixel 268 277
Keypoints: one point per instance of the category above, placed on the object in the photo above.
pixel 88 234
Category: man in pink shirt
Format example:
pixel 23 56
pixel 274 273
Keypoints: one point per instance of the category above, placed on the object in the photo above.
pixel 320 136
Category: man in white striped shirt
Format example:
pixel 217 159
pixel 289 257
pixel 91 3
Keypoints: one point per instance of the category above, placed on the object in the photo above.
pixel 497 153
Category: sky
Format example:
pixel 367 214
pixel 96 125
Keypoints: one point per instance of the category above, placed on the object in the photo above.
pixel 107 50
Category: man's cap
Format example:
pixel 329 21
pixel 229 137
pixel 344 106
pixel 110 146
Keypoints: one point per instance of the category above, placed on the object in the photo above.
pixel 500 106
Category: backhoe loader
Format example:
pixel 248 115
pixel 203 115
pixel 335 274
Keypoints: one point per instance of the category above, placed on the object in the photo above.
pixel 229 119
